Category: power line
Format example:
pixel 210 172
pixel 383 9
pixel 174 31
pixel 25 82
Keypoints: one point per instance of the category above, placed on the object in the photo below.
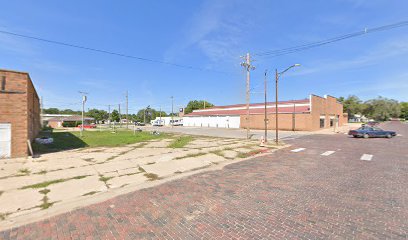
pixel 108 52
pixel 290 50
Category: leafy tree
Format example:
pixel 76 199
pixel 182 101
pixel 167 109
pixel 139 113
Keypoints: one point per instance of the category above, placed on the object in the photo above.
pixel 70 111
pixel 196 104
pixel 99 115
pixel 404 110
pixel 382 108
pixel 352 105
pixel 51 111
pixel 151 114
pixel 115 116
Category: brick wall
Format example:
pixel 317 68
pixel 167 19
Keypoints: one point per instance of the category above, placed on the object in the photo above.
pixel 286 121
pixel 326 108
pixel 19 107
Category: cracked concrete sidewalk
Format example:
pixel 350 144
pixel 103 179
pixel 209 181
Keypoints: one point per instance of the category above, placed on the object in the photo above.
pixel 32 189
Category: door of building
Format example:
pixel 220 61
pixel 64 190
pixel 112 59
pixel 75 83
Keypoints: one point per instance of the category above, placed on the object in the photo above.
pixel 5 140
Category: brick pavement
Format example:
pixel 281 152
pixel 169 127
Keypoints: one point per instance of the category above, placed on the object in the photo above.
pixel 284 195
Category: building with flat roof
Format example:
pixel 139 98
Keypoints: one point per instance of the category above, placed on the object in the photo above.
pixel 71 120
pixel 309 114
pixel 19 113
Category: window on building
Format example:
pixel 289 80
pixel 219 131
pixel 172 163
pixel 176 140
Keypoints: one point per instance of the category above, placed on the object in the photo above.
pixel 3 83
pixel 331 122
pixel 321 122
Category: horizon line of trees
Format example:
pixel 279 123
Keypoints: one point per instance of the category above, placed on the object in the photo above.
pixel 380 108
pixel 146 114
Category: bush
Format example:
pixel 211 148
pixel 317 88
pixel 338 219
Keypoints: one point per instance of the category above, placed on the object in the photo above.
pixel 71 124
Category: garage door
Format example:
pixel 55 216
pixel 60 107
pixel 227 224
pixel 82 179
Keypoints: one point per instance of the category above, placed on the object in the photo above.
pixel 5 140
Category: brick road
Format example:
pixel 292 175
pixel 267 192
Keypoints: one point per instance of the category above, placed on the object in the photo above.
pixel 285 195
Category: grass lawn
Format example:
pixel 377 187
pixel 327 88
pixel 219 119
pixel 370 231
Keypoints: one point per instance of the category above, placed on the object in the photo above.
pixel 72 140
pixel 181 142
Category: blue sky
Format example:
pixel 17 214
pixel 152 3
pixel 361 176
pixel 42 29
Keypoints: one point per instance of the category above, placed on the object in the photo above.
pixel 211 35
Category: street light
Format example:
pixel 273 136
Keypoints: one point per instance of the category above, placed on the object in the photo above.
pixel 277 76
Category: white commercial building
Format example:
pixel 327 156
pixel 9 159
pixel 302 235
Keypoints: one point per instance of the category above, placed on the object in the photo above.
pixel 212 121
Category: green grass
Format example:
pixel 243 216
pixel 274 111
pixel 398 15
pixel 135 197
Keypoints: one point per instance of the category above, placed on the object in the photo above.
pixel 24 171
pixel 47 183
pixel 105 179
pixel 3 216
pixel 151 176
pixel 181 142
pixel 191 155
pixel 42 172
pixel 90 193
pixel 44 191
pixel 72 140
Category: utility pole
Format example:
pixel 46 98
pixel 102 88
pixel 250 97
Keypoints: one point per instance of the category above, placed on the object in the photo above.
pixel 120 117
pixel 160 116
pixel 144 116
pixel 266 116
pixel 109 118
pixel 127 109
pixel 172 111
pixel 83 109
pixel 247 65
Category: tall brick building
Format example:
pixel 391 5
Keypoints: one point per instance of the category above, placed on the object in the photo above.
pixel 19 113
pixel 298 115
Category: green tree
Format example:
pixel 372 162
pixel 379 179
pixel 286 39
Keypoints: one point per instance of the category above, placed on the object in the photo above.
pixel 115 116
pixel 196 104
pixel 352 105
pixel 51 111
pixel 404 110
pixel 70 111
pixel 97 114
pixel 382 109
pixel 151 114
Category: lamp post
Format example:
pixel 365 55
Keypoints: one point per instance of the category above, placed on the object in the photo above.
pixel 277 76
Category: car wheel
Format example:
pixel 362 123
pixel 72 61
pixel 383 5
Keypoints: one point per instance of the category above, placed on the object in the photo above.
pixel 366 135
pixel 388 135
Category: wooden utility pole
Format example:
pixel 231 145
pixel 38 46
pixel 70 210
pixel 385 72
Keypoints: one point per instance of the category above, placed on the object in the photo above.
pixel 120 117
pixel 248 67
pixel 172 111
pixel 109 118
pixel 127 110
pixel 266 115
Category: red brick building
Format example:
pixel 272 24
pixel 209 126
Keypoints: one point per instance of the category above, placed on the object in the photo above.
pixel 19 113
pixel 298 115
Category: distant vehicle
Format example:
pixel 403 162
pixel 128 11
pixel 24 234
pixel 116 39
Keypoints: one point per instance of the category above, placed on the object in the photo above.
pixel 139 124
pixel 158 123
pixel 367 132
pixel 372 124
pixel 176 122
pixel 87 126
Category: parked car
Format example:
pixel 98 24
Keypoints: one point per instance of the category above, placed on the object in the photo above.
pixel 367 132
pixel 87 126
pixel 139 124
pixel 158 123
pixel 176 122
